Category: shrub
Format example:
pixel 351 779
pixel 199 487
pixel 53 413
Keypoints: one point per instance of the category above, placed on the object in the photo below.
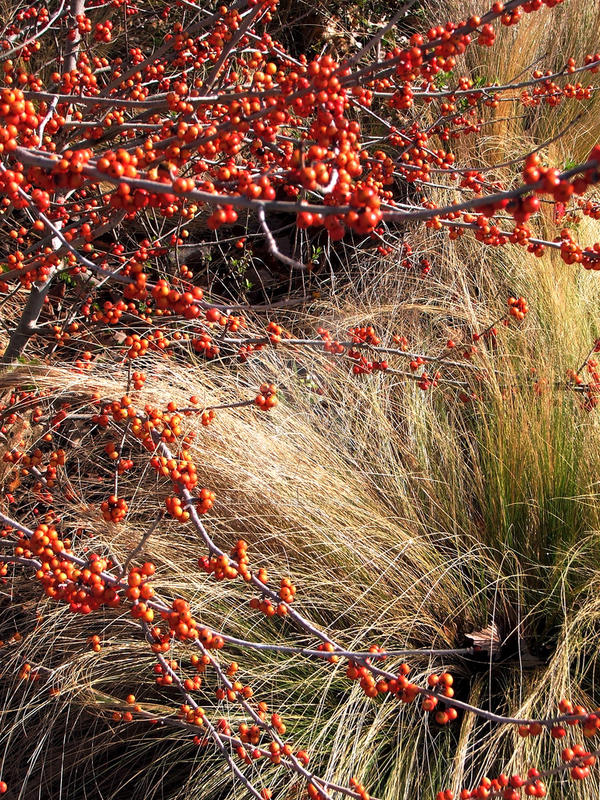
pixel 168 450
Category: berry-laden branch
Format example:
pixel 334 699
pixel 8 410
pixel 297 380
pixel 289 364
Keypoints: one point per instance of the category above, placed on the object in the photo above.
pixel 234 150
